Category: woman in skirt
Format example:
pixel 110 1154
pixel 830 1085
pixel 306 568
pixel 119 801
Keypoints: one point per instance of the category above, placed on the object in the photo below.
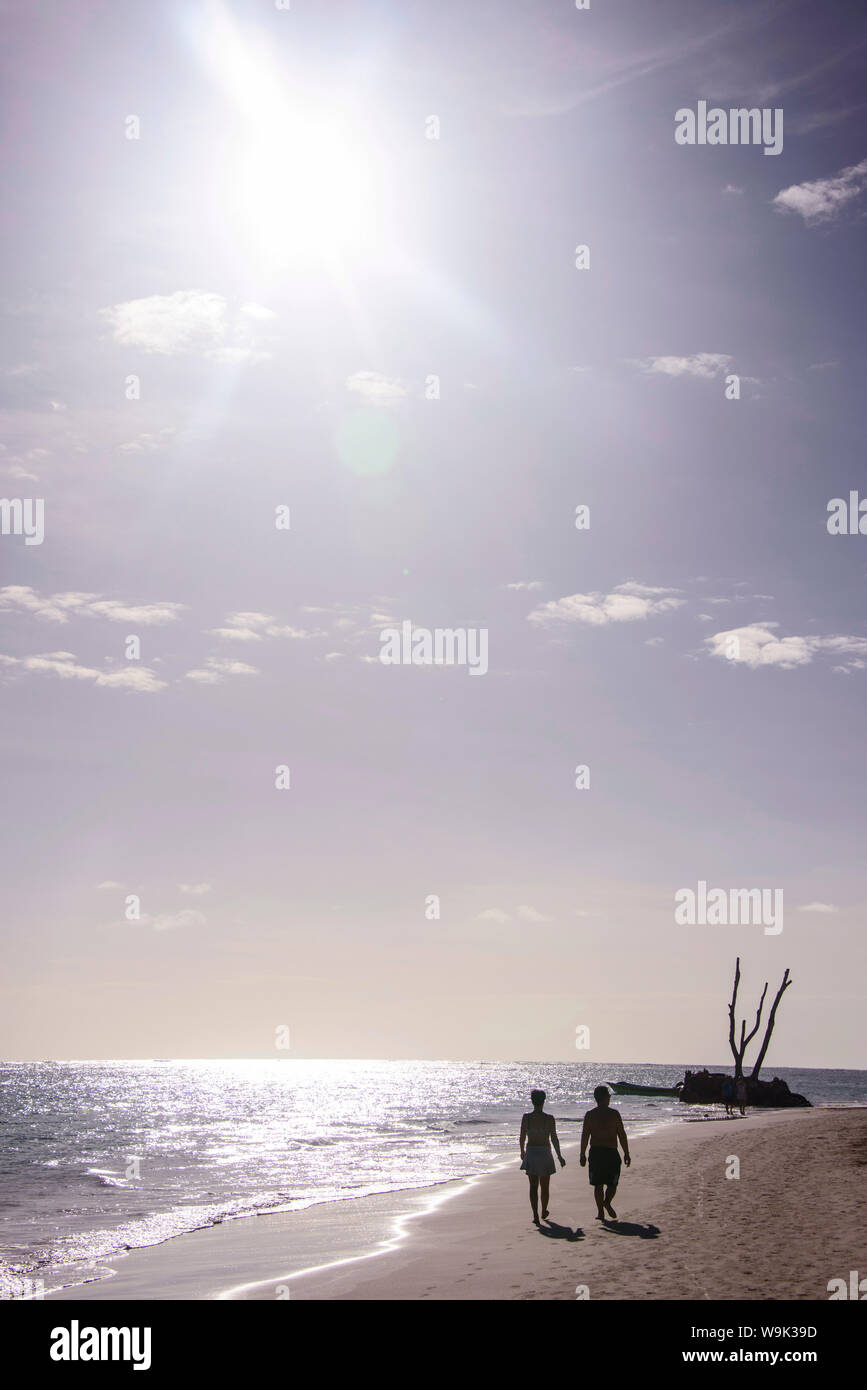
pixel 538 1133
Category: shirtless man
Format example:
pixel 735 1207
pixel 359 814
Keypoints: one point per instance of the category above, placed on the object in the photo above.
pixel 603 1127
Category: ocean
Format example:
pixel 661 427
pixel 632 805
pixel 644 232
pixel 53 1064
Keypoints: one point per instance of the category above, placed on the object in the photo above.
pixel 102 1157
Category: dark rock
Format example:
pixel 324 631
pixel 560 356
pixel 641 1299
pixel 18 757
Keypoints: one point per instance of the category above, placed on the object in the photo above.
pixel 704 1087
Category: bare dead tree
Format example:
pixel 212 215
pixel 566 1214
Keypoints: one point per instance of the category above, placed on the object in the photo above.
pixel 739 1050
pixel 754 1075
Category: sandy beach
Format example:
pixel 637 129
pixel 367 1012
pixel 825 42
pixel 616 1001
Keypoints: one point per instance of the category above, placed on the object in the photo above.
pixel 792 1220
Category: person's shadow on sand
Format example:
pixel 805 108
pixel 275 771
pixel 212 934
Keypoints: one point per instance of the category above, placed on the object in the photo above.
pixel 630 1228
pixel 555 1232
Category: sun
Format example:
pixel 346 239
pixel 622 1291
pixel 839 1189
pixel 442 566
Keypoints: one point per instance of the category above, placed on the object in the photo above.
pixel 298 180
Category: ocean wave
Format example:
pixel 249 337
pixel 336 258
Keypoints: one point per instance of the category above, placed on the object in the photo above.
pixel 106 1178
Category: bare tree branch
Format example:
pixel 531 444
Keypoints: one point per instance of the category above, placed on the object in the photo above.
pixel 754 1075
pixel 732 1025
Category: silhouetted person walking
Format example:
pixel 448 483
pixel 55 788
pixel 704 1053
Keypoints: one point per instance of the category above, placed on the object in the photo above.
pixel 538 1133
pixel 603 1127
pixel 741 1094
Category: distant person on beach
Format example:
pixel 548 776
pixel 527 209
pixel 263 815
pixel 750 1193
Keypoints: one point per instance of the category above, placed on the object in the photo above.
pixel 603 1127
pixel 741 1094
pixel 538 1133
pixel 728 1094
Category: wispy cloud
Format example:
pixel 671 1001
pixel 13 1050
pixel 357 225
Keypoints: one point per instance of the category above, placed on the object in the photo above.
pixel 169 323
pixel 148 443
pixel 375 388
pixel 531 914
pixel 822 200
pixel 701 364
pixel 176 921
pixel 22 465
pixel 189 321
pixel 626 603
pixel 818 907
pixel 195 889
pixel 59 607
pixel 252 627
pixel 257 311
pixel 758 645
pixel 138 679
pixel 215 671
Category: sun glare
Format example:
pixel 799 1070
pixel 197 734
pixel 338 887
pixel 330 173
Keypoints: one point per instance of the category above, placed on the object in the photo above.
pixel 298 179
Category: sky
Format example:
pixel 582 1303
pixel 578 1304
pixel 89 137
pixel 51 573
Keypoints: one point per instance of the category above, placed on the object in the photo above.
pixel 300 347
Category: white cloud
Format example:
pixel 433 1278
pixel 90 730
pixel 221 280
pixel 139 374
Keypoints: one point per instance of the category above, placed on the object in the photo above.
pixel 172 921
pixel 148 443
pixel 108 883
pixel 530 914
pixel 375 388
pixel 701 364
pixel 58 607
pixel 257 311
pixel 758 645
pixel 818 907
pixel 492 914
pixel 214 671
pixel 195 889
pixel 732 188
pixel 654 642
pixel 526 584
pixel 150 614
pixel 21 465
pixel 626 603
pixel 252 627
pixel 138 679
pixel 243 627
pixel 236 634
pixel 821 200
pixel 334 656
pixel 169 323
pixel 247 618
